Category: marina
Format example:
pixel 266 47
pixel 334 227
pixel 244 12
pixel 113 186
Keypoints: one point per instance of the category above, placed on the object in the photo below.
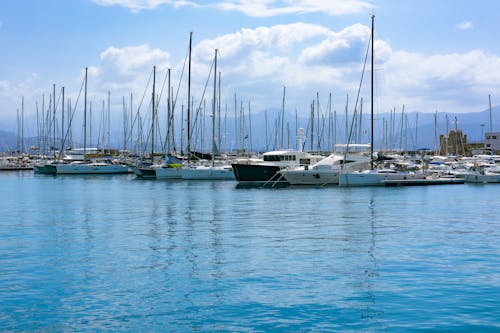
pixel 239 166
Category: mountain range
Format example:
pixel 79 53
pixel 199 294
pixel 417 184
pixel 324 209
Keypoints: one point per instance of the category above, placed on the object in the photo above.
pixel 263 131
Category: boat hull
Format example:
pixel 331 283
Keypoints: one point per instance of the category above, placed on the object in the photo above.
pixel 85 169
pixel 168 173
pixel 374 178
pixel 478 178
pixel 45 169
pixel 208 173
pixel 311 177
pixel 145 172
pixel 258 174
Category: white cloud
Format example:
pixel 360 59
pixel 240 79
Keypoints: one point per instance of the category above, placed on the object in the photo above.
pixel 465 26
pixel 254 8
pixel 346 45
pixel 265 58
pixel 266 8
pixel 306 58
pixel 126 68
pixel 138 5
pixel 449 82
pixel 279 38
pixel 310 58
pixel 12 92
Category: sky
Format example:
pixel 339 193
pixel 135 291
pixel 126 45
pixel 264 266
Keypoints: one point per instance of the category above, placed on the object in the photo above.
pixel 430 55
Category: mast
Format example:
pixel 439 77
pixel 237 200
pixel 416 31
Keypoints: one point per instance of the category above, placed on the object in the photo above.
pixel 491 122
pixel 371 93
pixel 360 135
pixel 214 104
pixel 282 115
pixel 318 145
pixel 54 118
pixel 250 126
pixel 189 103
pixel 153 116
pixel 85 117
pixel 62 116
pixel 125 125
pixel 218 116
pixel 435 133
pixel 22 125
pixel 169 115
pixel 109 120
pixel 312 127
pixel 38 129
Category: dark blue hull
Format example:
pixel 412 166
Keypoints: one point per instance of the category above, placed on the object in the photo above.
pixel 258 175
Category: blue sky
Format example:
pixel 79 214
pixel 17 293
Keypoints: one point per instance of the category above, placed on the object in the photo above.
pixel 430 55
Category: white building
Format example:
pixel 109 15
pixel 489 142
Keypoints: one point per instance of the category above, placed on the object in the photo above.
pixel 492 141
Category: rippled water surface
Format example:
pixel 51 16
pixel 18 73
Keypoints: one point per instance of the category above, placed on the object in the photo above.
pixel 92 253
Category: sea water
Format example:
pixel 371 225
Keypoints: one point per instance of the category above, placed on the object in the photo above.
pixel 114 253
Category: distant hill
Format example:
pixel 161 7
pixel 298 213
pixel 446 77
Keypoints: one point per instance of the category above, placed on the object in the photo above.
pixel 254 134
pixel 8 140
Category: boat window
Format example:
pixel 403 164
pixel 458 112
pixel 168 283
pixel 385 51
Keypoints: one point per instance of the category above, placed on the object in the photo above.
pixel 271 158
pixel 305 161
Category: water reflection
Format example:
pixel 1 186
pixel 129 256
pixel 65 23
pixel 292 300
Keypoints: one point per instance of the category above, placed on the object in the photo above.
pixel 106 253
pixel 360 208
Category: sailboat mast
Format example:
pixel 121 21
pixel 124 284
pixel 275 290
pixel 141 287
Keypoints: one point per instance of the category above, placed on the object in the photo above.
pixel 371 93
pixel 22 125
pixel 491 125
pixel 62 116
pixel 85 117
pixel 189 103
pixel 218 115
pixel 213 109
pixel 153 116
pixel 109 120
pixel 282 115
pixel 54 118
pixel 169 115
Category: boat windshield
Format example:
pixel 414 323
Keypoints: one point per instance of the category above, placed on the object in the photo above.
pixel 277 158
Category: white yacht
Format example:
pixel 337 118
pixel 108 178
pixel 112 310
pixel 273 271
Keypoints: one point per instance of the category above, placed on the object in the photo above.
pixel 326 171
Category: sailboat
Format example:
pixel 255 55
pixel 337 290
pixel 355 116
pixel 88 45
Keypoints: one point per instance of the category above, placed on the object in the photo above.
pixel 148 170
pixel 374 177
pixel 85 166
pixel 49 167
pixel 221 171
pixel 175 170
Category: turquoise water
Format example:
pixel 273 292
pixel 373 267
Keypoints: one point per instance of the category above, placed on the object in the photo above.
pixel 100 253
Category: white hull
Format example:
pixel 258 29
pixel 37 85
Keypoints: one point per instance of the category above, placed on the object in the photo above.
pixel 208 173
pixel 80 169
pixel 326 171
pixel 311 177
pixel 168 173
pixel 478 178
pixel 374 178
